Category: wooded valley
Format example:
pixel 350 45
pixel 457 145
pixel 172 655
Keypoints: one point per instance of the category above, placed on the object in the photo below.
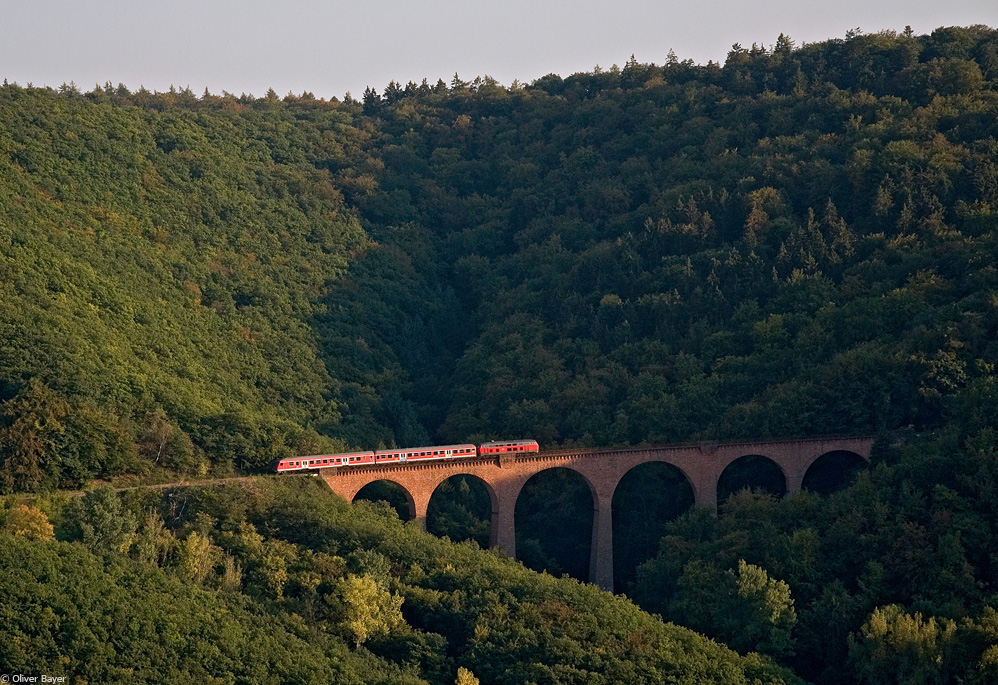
pixel 800 241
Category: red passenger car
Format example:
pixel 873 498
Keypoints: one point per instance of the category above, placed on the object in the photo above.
pixel 419 453
pixel 322 461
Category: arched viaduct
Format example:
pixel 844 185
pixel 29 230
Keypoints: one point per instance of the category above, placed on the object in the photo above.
pixel 504 476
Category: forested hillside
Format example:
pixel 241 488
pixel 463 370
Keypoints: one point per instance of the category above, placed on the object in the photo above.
pixel 798 241
pixel 794 242
pixel 160 271
pixel 278 582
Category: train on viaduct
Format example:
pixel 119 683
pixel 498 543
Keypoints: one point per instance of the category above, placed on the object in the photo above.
pixel 505 472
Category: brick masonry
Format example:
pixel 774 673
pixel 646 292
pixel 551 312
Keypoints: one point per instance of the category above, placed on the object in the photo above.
pixel 701 463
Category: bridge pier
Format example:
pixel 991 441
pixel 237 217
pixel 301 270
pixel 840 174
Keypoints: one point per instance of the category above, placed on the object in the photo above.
pixel 503 529
pixel 705 492
pixel 795 480
pixel 418 507
pixel 601 551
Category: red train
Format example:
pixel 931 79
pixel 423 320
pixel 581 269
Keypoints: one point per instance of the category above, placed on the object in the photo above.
pixel 324 461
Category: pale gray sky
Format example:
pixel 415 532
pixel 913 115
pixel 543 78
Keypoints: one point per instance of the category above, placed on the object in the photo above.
pixel 330 47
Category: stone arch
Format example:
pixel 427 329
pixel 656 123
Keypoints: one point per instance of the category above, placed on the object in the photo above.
pixel 646 498
pixel 516 490
pixel 754 471
pixel 566 516
pixel 833 471
pixel 410 500
pixel 683 470
pixel 490 515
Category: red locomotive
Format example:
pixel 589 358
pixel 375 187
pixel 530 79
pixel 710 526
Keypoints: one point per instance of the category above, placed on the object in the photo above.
pixel 324 461
pixel 508 446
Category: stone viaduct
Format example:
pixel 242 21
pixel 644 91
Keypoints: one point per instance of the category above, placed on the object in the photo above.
pixel 504 476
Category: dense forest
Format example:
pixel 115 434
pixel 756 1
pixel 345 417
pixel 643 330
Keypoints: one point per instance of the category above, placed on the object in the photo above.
pixel 276 581
pixel 798 241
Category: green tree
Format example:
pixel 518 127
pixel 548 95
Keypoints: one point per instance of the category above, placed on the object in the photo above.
pixel 105 526
pixel 894 647
pixel 31 431
pixel 28 522
pixel 197 557
pixel 154 541
pixel 465 677
pixel 369 610
pixel 743 607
